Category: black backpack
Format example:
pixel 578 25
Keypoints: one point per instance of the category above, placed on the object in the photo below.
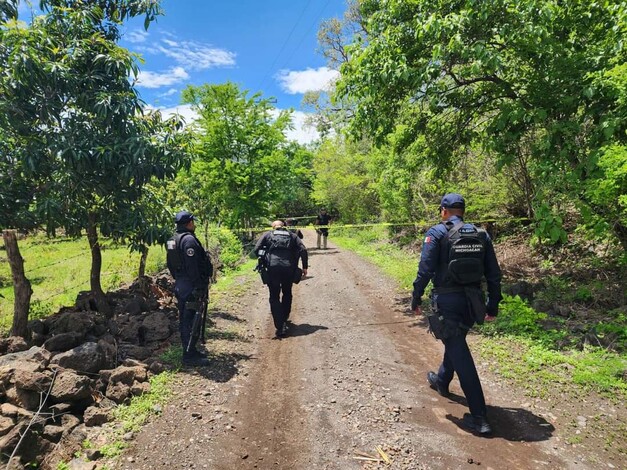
pixel 280 240
pixel 173 253
pixel 466 250
pixel 174 257
pixel 279 252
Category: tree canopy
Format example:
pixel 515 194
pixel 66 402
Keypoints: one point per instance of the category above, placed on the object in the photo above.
pixel 244 164
pixel 538 84
pixel 76 127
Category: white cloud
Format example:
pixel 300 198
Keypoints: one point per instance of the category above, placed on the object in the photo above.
pixel 137 36
pixel 147 79
pixel 319 79
pixel 184 110
pixel 303 133
pixel 194 55
pixel 170 92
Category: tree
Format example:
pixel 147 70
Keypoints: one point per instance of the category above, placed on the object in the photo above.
pixel 21 285
pixel 8 9
pixel 333 35
pixel 243 156
pixel 344 180
pixel 297 184
pixel 527 81
pixel 75 120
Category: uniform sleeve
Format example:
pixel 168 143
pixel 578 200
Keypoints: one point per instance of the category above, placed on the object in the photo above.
pixel 261 242
pixel 302 252
pixel 493 278
pixel 427 265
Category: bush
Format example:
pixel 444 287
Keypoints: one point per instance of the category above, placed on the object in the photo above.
pixel 228 246
pixel 516 318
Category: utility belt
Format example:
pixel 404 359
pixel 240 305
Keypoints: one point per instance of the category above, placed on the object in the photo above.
pixel 475 300
pixel 454 289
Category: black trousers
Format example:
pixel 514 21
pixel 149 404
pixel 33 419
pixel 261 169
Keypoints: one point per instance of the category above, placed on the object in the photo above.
pixel 186 320
pixel 280 282
pixel 457 357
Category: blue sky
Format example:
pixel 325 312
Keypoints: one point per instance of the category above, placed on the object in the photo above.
pixel 266 46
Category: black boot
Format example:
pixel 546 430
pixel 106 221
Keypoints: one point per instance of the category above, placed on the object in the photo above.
pixel 193 360
pixel 478 424
pixel 435 383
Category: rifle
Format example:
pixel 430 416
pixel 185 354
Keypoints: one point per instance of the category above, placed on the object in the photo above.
pixel 200 321
pixel 262 265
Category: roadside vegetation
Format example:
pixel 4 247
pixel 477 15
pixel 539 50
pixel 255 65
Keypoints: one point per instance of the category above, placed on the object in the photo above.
pixel 520 105
pixel 543 353
pixel 58 268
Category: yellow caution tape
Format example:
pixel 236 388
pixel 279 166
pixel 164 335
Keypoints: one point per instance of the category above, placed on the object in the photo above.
pixel 423 225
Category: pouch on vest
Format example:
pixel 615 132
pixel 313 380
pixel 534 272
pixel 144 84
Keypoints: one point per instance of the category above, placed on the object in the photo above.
pixel 466 254
pixel 476 303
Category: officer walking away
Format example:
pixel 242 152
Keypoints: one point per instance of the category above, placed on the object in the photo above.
pixel 323 219
pixel 291 226
pixel 191 269
pixel 456 256
pixel 280 251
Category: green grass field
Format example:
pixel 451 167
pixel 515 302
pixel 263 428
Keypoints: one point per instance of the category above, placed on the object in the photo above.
pixel 58 270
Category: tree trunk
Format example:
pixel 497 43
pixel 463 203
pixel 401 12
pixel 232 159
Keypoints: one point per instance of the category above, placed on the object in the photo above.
pixel 21 286
pixel 142 262
pixel 96 266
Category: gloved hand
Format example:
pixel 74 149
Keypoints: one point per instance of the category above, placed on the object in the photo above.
pixel 492 311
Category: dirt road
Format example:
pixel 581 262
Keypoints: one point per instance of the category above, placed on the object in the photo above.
pixel 350 376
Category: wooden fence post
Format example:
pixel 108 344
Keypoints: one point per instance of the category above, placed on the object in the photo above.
pixel 21 285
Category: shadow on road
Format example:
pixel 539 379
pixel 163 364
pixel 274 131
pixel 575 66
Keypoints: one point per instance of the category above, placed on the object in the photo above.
pixel 223 366
pixel 321 251
pixel 304 329
pixel 225 316
pixel 511 424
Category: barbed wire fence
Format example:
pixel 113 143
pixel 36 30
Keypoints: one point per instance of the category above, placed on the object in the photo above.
pixel 417 226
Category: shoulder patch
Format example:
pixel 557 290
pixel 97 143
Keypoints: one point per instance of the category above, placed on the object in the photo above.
pixel 427 239
pixel 190 252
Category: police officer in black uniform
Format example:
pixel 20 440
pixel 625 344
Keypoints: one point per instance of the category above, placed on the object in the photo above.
pixel 191 283
pixel 453 306
pixel 322 219
pixel 281 250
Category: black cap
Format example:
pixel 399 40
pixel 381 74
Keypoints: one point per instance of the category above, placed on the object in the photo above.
pixel 183 218
pixel 453 201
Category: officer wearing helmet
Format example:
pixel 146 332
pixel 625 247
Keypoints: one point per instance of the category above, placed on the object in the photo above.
pixel 456 256
pixel 191 268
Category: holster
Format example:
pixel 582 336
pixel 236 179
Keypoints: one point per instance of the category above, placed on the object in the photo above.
pixel 436 325
pixel 443 329
pixel 476 303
